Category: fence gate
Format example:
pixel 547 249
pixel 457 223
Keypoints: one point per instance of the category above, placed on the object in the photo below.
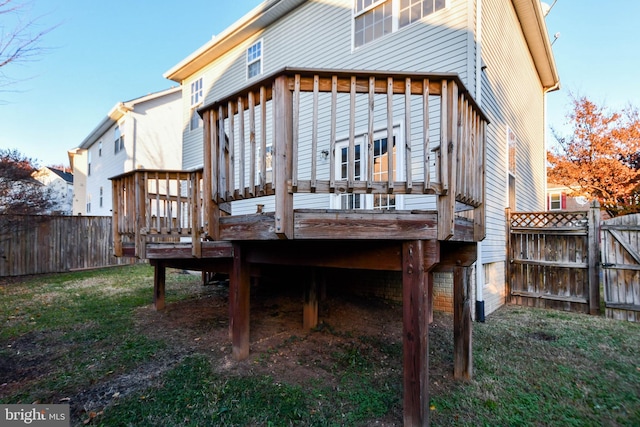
pixel 621 267
pixel 552 260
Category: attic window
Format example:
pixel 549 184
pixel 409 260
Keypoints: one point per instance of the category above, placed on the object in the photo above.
pixel 376 18
pixel 254 59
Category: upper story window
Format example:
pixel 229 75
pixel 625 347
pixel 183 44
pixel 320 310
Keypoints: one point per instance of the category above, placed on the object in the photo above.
pixel 376 18
pixel 100 149
pixel 512 147
pixel 89 162
pixel 254 59
pixel 197 98
pixel 118 140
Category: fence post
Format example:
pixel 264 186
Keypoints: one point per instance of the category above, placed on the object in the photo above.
pixel 507 261
pixel 594 258
pixel 116 188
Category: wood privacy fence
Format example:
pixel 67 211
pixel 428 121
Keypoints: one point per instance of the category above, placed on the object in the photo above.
pixel 553 258
pixel 37 244
pixel 621 267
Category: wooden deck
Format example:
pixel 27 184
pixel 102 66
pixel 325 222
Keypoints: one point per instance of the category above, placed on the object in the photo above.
pixel 300 138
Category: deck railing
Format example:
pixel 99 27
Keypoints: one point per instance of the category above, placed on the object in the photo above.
pixel 309 109
pixel 157 206
pixel 322 132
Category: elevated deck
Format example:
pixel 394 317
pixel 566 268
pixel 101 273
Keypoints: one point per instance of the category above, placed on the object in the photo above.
pixel 325 168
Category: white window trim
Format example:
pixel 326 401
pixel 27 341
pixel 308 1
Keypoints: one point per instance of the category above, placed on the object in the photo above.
pixel 193 106
pixel 555 193
pixel 360 138
pixel 260 58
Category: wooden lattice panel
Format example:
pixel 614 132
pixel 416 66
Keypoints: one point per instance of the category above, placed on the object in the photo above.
pixel 549 219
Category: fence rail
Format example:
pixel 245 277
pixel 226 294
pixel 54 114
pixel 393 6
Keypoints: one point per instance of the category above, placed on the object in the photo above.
pixel 37 244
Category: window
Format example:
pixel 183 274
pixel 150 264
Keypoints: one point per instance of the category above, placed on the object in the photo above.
pixel 89 162
pixel 376 18
pixel 101 193
pixel 254 59
pixel 197 98
pixel 380 172
pixel 557 201
pixel 100 149
pixel 118 140
pixel 88 203
pixel 512 146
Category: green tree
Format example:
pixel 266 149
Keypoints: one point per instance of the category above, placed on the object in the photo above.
pixel 599 159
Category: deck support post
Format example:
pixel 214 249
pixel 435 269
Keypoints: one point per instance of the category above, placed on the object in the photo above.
pixel 462 358
pixel 418 257
pixel 159 279
pixel 310 309
pixel 239 288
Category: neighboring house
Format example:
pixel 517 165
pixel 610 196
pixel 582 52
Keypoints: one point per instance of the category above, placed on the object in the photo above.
pixel 559 198
pixel 144 133
pixel 500 49
pixel 60 184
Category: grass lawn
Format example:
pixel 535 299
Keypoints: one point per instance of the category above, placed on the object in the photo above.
pixel 92 339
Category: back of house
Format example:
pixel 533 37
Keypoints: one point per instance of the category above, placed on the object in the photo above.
pixel 499 49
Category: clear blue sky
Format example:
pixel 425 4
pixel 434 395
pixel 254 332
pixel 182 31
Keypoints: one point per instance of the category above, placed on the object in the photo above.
pixel 104 52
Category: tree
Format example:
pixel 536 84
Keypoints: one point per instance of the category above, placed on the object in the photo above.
pixel 23 200
pixel 20 194
pixel 599 159
pixel 19 37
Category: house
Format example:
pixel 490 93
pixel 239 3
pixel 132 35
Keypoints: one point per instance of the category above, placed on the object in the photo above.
pixel 560 198
pixel 359 135
pixel 143 133
pixel 60 185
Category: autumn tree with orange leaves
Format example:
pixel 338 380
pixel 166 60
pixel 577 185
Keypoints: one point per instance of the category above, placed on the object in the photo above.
pixel 600 159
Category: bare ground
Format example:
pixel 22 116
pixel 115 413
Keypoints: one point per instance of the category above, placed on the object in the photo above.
pixel 279 347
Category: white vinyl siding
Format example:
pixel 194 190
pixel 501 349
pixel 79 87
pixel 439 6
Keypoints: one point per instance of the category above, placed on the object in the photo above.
pixel 512 97
pixel 443 42
pixel 155 144
pixel 324 40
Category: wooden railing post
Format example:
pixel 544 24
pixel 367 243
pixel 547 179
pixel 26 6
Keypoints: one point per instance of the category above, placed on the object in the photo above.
pixel 116 189
pixel 210 176
pixel 507 262
pixel 283 130
pixel 594 258
pixel 139 209
pixel 449 154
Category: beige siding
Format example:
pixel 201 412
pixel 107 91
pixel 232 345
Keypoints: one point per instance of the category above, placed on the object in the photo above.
pixel 512 96
pixel 319 35
pixel 152 136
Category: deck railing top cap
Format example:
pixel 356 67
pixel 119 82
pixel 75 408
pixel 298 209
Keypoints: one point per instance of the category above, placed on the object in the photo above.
pixel 163 171
pixel 342 73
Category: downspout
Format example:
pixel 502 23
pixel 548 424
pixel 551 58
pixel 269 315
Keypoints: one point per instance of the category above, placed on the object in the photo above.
pixel 478 95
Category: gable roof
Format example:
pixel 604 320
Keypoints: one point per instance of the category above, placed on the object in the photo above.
pixel 68 177
pixel 119 110
pixel 529 13
pixel 257 19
